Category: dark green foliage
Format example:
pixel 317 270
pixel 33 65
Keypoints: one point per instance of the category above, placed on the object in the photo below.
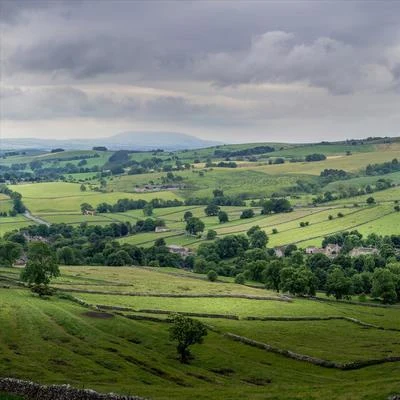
pixel 383 286
pixel 212 275
pixel 383 168
pixel 41 266
pixel 212 210
pixel 298 281
pixel 187 215
pixel 211 234
pixel 9 252
pixel 223 217
pixel 276 205
pixel 240 279
pixel 249 213
pixel 194 226
pixel 337 284
pixel 315 157
pixel 187 332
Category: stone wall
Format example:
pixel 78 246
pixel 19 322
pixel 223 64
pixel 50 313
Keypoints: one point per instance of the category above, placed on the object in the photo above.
pixel 33 391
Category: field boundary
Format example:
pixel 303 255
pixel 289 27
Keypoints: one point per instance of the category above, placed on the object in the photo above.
pixel 353 365
pixel 32 390
pixel 181 295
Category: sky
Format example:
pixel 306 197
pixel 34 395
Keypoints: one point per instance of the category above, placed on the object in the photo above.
pixel 232 71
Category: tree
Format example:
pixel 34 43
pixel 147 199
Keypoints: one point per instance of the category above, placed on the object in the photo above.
pixel 370 200
pixel 148 210
pixel 258 239
pixel 240 279
pixel 272 275
pixel 276 205
pixel 337 284
pixel 187 332
pixel 211 234
pixel 249 213
pixel 194 226
pixel 86 207
pixel 218 193
pixel 187 216
pixel 223 217
pixel 83 188
pixel 212 275
pixel 383 285
pixel 298 281
pixel 212 210
pixel 41 266
pixel 66 256
pixel 9 252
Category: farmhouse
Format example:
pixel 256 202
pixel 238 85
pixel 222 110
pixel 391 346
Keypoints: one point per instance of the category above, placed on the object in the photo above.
pixel 359 251
pixel 182 251
pixel 89 212
pixel 331 250
pixel 161 229
pixel 315 250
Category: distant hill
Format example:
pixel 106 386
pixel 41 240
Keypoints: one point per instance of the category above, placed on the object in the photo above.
pixel 125 140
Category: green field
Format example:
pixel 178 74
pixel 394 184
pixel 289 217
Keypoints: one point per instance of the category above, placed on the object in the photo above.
pixel 52 197
pixel 108 352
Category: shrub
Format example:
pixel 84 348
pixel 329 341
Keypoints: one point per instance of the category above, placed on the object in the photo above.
pixel 212 275
pixel 240 279
pixel 211 234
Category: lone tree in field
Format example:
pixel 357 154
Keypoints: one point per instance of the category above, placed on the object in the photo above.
pixel 40 268
pixel 223 217
pixel 186 331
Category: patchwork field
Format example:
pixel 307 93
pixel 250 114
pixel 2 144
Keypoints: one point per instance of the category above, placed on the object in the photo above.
pixel 53 197
pixel 107 351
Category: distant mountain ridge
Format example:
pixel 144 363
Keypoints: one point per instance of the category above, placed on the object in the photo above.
pixel 121 141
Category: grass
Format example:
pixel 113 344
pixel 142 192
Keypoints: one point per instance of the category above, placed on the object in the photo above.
pixel 65 344
pixel 55 197
pixel 380 218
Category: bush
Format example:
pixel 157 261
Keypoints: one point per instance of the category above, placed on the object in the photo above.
pixel 240 279
pixel 211 234
pixel 274 231
pixel 212 275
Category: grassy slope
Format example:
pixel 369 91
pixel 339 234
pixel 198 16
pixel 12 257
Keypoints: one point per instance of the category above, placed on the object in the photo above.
pixel 54 197
pixel 63 344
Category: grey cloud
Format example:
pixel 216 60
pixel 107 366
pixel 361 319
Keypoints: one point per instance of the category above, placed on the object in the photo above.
pixel 64 102
pixel 280 57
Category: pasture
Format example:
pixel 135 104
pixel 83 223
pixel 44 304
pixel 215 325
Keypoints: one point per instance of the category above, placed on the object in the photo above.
pixel 59 197
pixel 110 351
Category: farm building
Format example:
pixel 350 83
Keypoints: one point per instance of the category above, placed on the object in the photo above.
pixel 359 251
pixel 161 229
pixel 331 250
pixel 183 251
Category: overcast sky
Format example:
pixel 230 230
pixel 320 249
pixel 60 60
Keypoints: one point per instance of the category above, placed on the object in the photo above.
pixel 235 71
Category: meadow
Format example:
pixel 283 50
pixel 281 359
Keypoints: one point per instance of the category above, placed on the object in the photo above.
pixel 110 351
